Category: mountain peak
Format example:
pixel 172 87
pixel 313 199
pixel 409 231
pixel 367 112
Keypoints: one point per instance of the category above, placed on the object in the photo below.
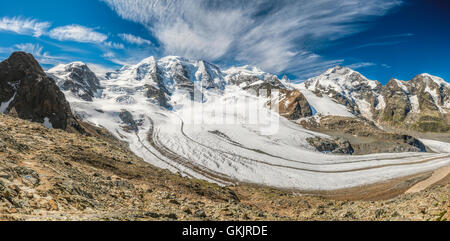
pixel 150 59
pixel 246 70
pixel 340 79
pixel 78 78
pixel 172 58
pixel 428 77
pixel 340 70
pixel 30 94
pixel 23 60
pixel 68 67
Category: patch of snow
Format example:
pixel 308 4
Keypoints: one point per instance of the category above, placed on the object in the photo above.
pixel 365 108
pixel 402 85
pixel 381 103
pixel 437 146
pixel 4 106
pixel 47 123
pixel 257 83
pixel 415 104
pixel 437 80
pixel 435 96
pixel 246 70
pixel 325 105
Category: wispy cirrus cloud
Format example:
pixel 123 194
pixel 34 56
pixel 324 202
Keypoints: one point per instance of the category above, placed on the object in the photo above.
pixel 275 35
pixel 376 44
pixel 361 65
pixel 395 36
pixel 37 51
pixel 114 45
pixel 77 33
pixel 133 39
pixel 23 26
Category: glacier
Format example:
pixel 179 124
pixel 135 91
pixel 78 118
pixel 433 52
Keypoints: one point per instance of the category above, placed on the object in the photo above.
pixel 217 140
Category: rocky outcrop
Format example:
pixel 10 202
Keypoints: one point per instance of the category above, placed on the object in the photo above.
pixel 27 92
pixel 130 124
pixel 156 95
pixel 363 136
pixel 334 146
pixel 293 105
pixel 420 104
pixel 397 103
pixel 78 79
pixel 290 103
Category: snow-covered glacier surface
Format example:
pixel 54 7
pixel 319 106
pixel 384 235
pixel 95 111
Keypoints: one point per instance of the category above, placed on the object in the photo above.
pixel 222 141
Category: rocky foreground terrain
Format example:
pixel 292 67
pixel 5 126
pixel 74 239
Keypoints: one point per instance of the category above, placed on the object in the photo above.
pixel 48 174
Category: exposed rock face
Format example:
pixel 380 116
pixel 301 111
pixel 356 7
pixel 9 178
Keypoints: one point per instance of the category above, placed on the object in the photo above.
pixel 335 146
pixel 363 136
pixel 157 95
pixel 77 78
pixel 127 119
pixel 420 104
pixel 293 105
pixel 397 102
pixel 30 94
pixel 290 103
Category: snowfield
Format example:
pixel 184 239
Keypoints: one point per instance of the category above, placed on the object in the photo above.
pixel 325 105
pixel 221 140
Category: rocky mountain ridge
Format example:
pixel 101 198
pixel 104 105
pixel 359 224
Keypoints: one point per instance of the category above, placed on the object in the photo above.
pixel 27 92
pixel 77 78
pixel 420 104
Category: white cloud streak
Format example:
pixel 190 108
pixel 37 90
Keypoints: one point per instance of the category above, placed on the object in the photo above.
pixel 24 26
pixel 37 51
pixel 77 33
pixel 133 39
pixel 275 35
pixel 114 45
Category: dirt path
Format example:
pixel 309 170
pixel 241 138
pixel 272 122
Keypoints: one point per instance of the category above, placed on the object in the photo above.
pixel 437 176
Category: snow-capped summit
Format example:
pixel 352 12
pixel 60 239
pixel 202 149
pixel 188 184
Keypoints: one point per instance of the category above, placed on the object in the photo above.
pixel 182 73
pixel 347 87
pixel 251 76
pixel 431 78
pixel 245 70
pixel 171 73
pixel 77 78
pixel 341 80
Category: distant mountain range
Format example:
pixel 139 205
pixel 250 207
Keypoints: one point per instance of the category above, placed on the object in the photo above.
pixel 421 104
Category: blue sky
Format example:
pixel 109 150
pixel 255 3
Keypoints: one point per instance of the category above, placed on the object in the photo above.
pixel 302 38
